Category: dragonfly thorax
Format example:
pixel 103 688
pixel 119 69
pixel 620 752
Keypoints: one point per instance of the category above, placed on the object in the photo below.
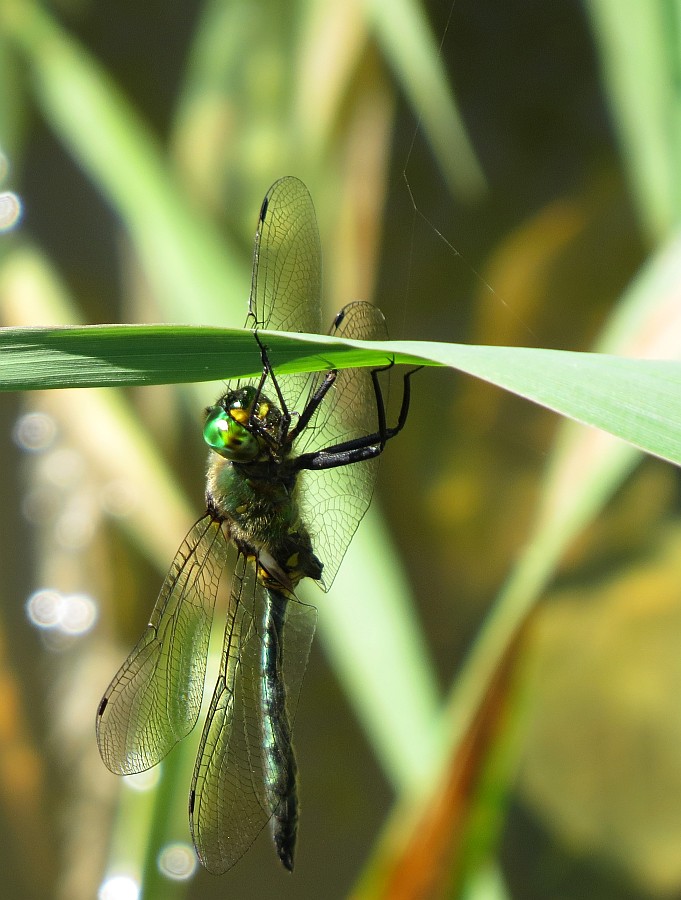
pixel 243 426
pixel 258 504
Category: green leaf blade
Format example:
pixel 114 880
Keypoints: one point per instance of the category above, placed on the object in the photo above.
pixel 633 399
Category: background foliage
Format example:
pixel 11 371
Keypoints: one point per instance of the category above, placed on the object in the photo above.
pixel 454 737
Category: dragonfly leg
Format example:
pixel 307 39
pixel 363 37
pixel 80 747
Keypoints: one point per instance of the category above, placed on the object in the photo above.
pixel 313 404
pixel 268 371
pixel 370 445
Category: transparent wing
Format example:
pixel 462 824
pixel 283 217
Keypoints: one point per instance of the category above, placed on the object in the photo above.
pixel 155 697
pixel 287 271
pixel 287 261
pixel 229 800
pixel 333 501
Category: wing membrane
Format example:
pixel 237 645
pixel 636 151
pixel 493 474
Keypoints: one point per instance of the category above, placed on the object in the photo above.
pixel 287 261
pixel 229 801
pixel 287 271
pixel 155 697
pixel 333 501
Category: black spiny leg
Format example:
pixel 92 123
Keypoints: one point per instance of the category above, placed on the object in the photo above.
pixel 367 447
pixel 313 404
pixel 267 370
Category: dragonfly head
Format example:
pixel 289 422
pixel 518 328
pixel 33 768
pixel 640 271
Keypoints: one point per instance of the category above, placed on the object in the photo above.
pixel 238 426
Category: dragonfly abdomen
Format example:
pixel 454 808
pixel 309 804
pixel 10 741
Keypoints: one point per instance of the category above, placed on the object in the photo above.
pixel 279 758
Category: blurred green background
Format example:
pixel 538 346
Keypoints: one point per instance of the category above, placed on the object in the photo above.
pixel 493 172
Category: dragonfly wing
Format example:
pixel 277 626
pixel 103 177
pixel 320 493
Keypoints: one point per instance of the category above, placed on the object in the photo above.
pixel 155 697
pixel 287 261
pixel 231 799
pixel 333 501
pixel 287 271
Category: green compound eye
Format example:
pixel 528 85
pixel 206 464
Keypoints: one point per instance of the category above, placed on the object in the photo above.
pixel 227 437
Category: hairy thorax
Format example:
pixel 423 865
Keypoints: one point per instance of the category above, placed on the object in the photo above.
pixel 259 505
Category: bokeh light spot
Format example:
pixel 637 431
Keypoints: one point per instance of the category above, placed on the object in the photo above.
pixel 10 210
pixel 34 431
pixel 177 861
pixel 119 887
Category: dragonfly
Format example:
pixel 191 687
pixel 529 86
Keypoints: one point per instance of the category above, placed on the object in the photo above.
pixel 291 470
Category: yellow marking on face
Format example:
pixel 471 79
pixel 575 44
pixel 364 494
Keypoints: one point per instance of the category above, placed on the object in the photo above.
pixel 240 415
pixel 242 509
